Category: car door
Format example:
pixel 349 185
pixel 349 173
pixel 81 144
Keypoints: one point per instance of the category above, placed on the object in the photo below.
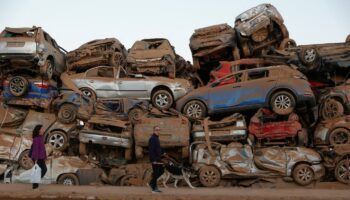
pixel 225 93
pixel 131 87
pixel 102 81
pixel 256 87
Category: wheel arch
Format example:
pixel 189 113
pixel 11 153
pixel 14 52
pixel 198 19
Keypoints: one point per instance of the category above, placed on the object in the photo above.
pixel 70 173
pixel 195 99
pixel 162 87
pixel 299 163
pixel 274 91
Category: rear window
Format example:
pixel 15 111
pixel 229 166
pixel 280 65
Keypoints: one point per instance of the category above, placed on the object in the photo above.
pixel 27 34
pixel 258 74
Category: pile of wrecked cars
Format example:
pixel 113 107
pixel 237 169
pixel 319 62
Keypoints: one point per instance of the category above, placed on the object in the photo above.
pixel 254 107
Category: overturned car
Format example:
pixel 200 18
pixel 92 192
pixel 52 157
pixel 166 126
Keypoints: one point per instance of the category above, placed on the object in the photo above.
pixel 107 51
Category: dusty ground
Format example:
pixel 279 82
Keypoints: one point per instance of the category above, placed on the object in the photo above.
pixel 24 191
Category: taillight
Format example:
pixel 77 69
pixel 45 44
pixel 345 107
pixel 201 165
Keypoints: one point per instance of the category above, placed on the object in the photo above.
pixel 42 85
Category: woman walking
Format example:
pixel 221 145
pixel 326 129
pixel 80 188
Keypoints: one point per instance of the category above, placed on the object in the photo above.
pixel 38 151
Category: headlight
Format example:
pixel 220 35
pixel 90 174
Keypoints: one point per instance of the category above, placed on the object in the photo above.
pixel 41 48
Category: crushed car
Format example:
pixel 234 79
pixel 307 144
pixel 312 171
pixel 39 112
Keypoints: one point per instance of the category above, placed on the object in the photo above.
pixel 65 170
pixel 137 174
pixel 238 161
pixel 106 140
pixel 280 87
pixel 258 29
pixel 154 56
pixel 108 51
pixel 174 133
pixel 110 82
pixel 31 49
pixel 333 131
pixel 231 128
pixel 336 161
pixel 268 128
pixel 29 91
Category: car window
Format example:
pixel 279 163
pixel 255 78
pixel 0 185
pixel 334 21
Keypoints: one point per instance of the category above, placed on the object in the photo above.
pixel 27 34
pixel 234 78
pixel 253 75
pixel 105 72
pixel 92 72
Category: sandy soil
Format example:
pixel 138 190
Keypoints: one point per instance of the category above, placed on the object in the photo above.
pixel 24 191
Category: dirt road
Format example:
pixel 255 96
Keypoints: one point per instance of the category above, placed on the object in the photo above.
pixel 24 191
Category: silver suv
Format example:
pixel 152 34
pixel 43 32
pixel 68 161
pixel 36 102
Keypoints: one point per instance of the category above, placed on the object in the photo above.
pixel 32 49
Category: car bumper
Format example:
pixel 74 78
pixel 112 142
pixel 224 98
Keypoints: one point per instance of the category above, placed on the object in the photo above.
pixel 87 137
pixel 319 171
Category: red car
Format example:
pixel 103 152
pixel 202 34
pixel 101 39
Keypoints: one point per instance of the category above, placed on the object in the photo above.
pixel 228 67
pixel 266 126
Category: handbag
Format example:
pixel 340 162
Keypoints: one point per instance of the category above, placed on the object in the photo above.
pixel 35 175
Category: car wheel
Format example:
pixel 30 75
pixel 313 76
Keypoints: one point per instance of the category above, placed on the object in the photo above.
pixel 308 56
pixel 68 179
pixel 260 35
pixel 332 109
pixel 282 103
pixel 209 176
pixel 67 113
pixel 18 86
pixel 195 110
pixel 302 138
pixel 25 161
pixel 339 136
pixel 342 171
pixel 127 180
pixel 162 99
pixel 89 93
pixel 287 43
pixel 135 114
pixel 47 69
pixel 303 174
pixel 58 140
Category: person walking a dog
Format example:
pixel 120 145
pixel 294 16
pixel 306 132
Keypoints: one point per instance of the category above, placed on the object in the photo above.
pixel 155 154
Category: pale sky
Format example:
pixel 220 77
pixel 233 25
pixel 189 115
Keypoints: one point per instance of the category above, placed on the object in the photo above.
pixel 74 22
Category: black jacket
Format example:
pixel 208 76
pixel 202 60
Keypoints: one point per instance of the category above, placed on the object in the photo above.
pixel 155 151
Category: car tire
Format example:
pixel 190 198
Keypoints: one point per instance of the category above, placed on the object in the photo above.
pixel 89 93
pixel 303 174
pixel 195 110
pixel 342 171
pixel 67 113
pixel 162 99
pixel 68 179
pixel 309 57
pixel 58 139
pixel 47 69
pixel 126 180
pixel 25 161
pixel 339 136
pixel 135 115
pixel 332 109
pixel 18 86
pixel 303 138
pixel 209 176
pixel 282 102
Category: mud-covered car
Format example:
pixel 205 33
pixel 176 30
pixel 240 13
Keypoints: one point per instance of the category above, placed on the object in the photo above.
pixel 56 133
pixel 106 140
pixel 152 56
pixel 333 131
pixel 31 49
pixel 231 128
pixel 29 91
pixel 66 170
pixel 107 51
pixel 108 82
pixel 260 28
pixel 239 161
pixel 336 161
pixel 280 87
pixel 212 44
pixel 138 174
pixel 268 128
pixel 229 67
pixel 334 101
pixel 174 133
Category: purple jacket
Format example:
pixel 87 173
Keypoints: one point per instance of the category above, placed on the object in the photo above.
pixel 38 148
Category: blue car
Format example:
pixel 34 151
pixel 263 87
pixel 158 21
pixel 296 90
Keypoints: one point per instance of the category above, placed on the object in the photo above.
pixel 29 91
pixel 280 87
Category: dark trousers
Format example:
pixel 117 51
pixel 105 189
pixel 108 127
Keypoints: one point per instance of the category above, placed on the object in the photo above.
pixel 43 167
pixel 158 170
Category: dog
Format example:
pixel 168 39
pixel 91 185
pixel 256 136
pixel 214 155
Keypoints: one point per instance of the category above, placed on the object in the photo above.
pixel 177 173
